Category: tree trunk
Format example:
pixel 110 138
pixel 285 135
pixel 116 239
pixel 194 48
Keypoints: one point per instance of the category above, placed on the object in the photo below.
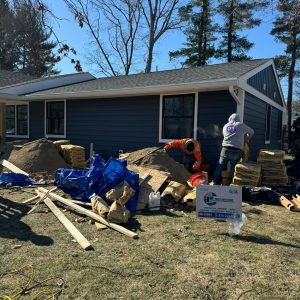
pixel 229 35
pixel 150 55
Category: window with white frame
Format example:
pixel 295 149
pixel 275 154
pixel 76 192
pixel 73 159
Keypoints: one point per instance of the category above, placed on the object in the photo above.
pixel 268 124
pixel 178 116
pixel 17 120
pixel 55 118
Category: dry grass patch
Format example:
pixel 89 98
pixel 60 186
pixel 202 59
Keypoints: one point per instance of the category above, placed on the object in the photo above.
pixel 176 256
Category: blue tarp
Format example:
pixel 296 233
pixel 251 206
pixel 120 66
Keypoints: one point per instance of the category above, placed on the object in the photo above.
pixel 99 179
pixel 14 179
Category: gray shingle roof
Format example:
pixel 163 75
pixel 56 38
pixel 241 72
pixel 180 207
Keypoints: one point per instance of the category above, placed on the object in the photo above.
pixel 180 76
pixel 8 78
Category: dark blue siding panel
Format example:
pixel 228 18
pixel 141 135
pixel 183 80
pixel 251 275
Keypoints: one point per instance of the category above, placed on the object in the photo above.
pixel 214 109
pixel 36 120
pixel 266 77
pixel 255 116
pixel 112 124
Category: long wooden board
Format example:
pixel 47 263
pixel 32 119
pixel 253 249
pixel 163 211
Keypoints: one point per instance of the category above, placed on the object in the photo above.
pixel 82 241
pixel 5 163
pixel 89 213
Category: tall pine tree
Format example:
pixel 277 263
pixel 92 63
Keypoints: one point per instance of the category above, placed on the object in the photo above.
pixel 8 55
pixel 237 16
pixel 35 51
pixel 287 30
pixel 200 33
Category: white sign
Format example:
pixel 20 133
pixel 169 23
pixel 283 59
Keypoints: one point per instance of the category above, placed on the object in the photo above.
pixel 219 202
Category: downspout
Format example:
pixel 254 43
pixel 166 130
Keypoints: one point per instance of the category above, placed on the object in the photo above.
pixel 239 99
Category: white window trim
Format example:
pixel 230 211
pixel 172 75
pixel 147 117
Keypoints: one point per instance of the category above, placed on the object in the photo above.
pixel 65 119
pixel 267 142
pixel 161 140
pixel 19 135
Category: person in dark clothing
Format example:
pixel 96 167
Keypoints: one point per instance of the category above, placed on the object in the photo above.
pixel 234 138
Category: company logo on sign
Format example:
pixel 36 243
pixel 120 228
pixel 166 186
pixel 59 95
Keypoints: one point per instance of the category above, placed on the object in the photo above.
pixel 231 129
pixel 209 199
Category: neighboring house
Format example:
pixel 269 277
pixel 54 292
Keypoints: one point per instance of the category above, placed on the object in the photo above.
pixel 143 110
pixel 13 85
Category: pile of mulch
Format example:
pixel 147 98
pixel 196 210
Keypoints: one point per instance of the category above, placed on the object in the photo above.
pixel 40 156
pixel 159 160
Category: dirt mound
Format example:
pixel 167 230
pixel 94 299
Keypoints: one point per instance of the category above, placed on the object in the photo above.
pixel 37 156
pixel 161 161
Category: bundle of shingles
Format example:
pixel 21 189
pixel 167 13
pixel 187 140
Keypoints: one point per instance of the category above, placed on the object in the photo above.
pixel 273 168
pixel 73 155
pixel 247 174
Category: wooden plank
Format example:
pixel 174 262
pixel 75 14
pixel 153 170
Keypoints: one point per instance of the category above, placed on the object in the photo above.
pixel 89 213
pixel 31 199
pixel 100 226
pixel 82 241
pixel 152 183
pixel 5 163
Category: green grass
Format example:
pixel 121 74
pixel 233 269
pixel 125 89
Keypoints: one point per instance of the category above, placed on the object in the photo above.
pixel 175 257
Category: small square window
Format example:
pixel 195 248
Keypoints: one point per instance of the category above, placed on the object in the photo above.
pixel 264 87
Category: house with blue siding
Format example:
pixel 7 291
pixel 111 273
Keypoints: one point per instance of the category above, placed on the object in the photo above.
pixel 144 110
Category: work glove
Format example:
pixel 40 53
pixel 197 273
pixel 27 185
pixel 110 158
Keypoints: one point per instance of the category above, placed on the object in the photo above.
pixel 196 167
pixel 167 147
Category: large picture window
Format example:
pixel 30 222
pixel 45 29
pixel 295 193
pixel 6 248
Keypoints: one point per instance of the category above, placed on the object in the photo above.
pixel 178 116
pixel 268 124
pixel 17 120
pixel 55 118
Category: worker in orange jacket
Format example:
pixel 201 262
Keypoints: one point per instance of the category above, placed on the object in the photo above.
pixel 189 147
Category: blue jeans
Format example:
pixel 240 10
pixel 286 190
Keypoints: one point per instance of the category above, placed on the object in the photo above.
pixel 228 155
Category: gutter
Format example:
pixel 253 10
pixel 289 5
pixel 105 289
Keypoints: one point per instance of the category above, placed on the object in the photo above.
pixel 151 90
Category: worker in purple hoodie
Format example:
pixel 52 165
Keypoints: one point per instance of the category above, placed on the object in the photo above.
pixel 234 133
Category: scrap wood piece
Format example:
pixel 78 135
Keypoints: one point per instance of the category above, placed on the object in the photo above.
pixel 288 204
pixel 82 241
pixel 5 163
pixel 89 213
pixel 296 201
pixel 39 201
pixel 175 189
pixel 100 226
pixel 190 198
pixel 152 183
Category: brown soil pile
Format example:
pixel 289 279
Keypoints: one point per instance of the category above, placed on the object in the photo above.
pixel 37 156
pixel 160 160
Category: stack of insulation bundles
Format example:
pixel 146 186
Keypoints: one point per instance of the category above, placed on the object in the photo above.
pixel 74 155
pixel 273 168
pixel 247 174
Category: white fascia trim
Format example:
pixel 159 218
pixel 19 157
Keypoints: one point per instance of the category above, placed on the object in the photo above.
pixel 15 104
pixel 151 90
pixel 161 140
pixel 242 83
pixel 59 136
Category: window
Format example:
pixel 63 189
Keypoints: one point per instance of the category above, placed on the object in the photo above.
pixel 55 118
pixel 268 124
pixel 178 116
pixel 10 120
pixel 17 120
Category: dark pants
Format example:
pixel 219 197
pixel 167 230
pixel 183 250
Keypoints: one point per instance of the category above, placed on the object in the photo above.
pixel 228 155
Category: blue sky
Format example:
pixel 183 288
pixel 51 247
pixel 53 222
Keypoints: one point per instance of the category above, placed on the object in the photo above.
pixel 78 38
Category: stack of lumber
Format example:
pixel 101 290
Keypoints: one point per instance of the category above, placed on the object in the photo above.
pixel 273 168
pixel 74 155
pixel 247 174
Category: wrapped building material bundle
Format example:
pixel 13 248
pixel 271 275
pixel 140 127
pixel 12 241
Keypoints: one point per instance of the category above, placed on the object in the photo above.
pixel 247 174
pixel 273 168
pixel 74 155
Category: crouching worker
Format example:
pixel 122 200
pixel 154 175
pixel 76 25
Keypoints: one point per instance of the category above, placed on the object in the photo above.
pixel 191 148
pixel 234 133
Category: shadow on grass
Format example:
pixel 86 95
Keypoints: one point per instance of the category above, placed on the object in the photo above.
pixel 255 211
pixel 11 226
pixel 264 240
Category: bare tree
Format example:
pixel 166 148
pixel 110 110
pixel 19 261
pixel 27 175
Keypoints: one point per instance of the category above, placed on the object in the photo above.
pixel 160 16
pixel 113 26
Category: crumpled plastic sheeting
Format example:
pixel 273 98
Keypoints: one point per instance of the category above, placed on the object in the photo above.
pixel 99 179
pixel 15 179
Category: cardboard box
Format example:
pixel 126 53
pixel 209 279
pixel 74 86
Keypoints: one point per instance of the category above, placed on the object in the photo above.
pixel 219 202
